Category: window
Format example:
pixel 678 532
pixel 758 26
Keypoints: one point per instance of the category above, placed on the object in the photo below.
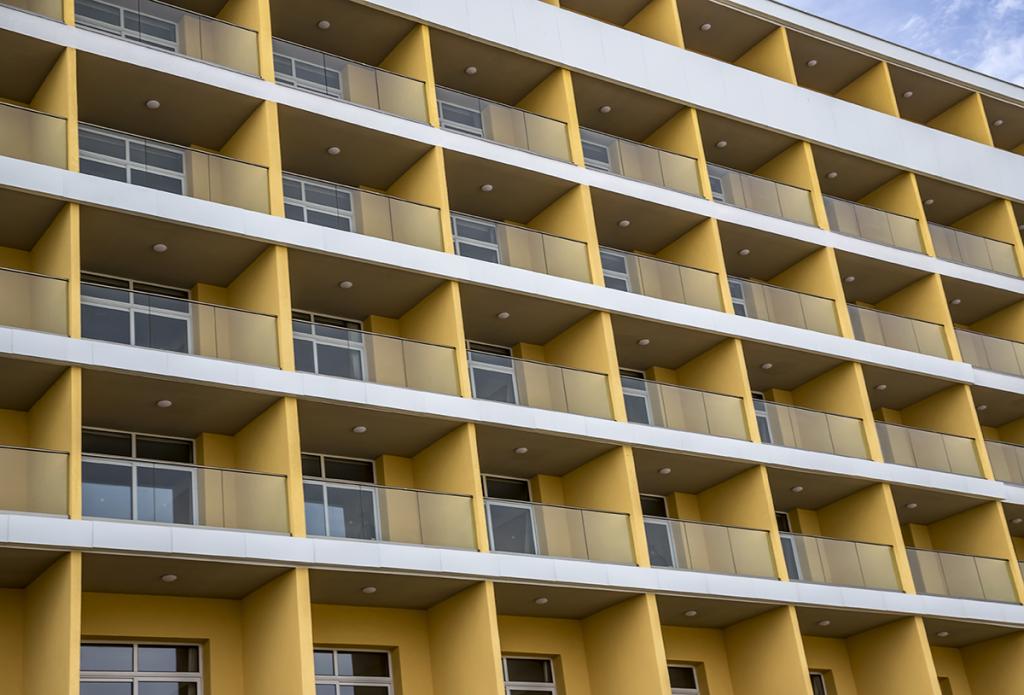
pixel 654 505
pixel 683 680
pixel 659 531
pixel 140 669
pixel 717 188
pixel 352 672
pixel 329 345
pixel 789 552
pixel 764 427
pixel 125 23
pixel 135 313
pixel 460 113
pixel 615 266
pixel 510 515
pixel 492 373
pixel 818 683
pixel 524 676
pixel 335 508
pixel 476 238
pixel 121 157
pixel 739 299
pixel 305 75
pixel 597 153
pixel 634 389
pixel 319 202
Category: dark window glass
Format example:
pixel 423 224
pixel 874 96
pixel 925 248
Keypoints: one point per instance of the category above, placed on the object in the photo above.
pixel 106 323
pixel 167 688
pixel 347 469
pixel 659 544
pixel 106 657
pixel 363 664
pixel 325 689
pixel 304 361
pixel 311 466
pixel 164 449
pixel 106 490
pixel 508 489
pixel 106 443
pixel 165 495
pixel 105 688
pixel 529 671
pixel 316 524
pixel 343 362
pixel 168 659
pixel 512 529
pixel 350 513
pixel 653 505
pixel 682 676
pixel 161 332
pixel 323 663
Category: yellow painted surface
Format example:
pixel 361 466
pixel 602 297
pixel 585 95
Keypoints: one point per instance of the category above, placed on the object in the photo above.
pixel 277 635
pixel 624 648
pixel 412 57
pixel 841 390
pixel 255 15
pixel 257 141
pixel 902 196
pixel 966 119
pixel 572 217
pixel 555 638
pixel 270 444
pixel 925 299
pixel 590 344
pixel 893 659
pixel 15 259
pixel 701 247
pixel 264 287
pixel 722 370
pixel 766 655
pixel 771 56
pixel 795 166
pixel 437 319
pixel 995 666
pixel 547 489
pixel 57 254
pixel 996 221
pixel 703 648
pixel 949 664
pixel 951 411
pixel 12 627
pixel 465 644
pixel 58 95
pixel 659 20
pixel 13 428
pixel 829 655
pixel 1006 323
pixel 425 182
pixel 555 98
pixel 53 616
pixel 873 90
pixel 55 422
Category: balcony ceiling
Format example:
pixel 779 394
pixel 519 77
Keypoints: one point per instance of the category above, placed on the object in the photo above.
pixel 635 115
pixel 24 382
pixel 1011 133
pixel 842 624
pixel 748 147
pixel 501 75
pixel 131 574
pixel 393 590
pixel 873 280
pixel 962 634
pixel 902 388
pixel 532 319
pixel 1001 407
pixel 711 613
pixel 769 255
pixel 617 12
pixel 548 454
pixel 837 66
pixel 670 347
pixel 790 368
pixel 34 59
pixel 856 176
pixel 19 567
pixel 689 474
pixel 932 505
pixel 326 428
pixel 952 203
pixel 571 603
pixel 976 301
pixel 651 228
pixel 26 217
pixel 819 490
pixel 356 32
pixel 732 32
pixel 518 196
pixel 931 96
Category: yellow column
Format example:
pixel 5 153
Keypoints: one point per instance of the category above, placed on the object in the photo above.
pixel 258 141
pixel 57 254
pixel 254 15
pixel 659 20
pixel 951 411
pixel 996 221
pixel 555 98
pixel 966 119
pixel 572 216
pixel 771 56
pixel 625 650
pixel 413 57
pixel 873 90
pixel 818 274
pixel 590 344
pixel 59 94
pixel 55 422
pixel 53 628
pixel 894 658
pixel 995 665
pixel 925 299
pixel 722 370
pixel 841 390
pixel 265 287
pixel 902 196
pixel 795 166
pixel 438 319
pixel 465 648
pixel 277 632
pixel 766 654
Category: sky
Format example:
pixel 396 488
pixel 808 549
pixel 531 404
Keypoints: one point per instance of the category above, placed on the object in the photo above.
pixel 985 35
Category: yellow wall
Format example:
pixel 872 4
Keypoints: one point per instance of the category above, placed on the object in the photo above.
pixel 556 638
pixel 925 299
pixel 771 56
pixel 795 166
pixel 873 89
pixel 257 141
pixel 996 221
pixel 951 411
pixel 893 659
pixel 818 274
pixel 52 606
pixel 721 370
pixel 465 645
pixel 12 626
pixel 766 654
pixel 57 254
pixel 572 217
pixel 437 319
pixel 55 422
pixel 59 95
pixel 264 287
pixel 277 636
pixel 659 20
pixel 841 390
pixel 555 98
pixel 413 57
pixel 703 648
pixel 949 664
pixel 426 183
pixel 590 344
pixel 996 665
pixel 829 656
pixel 902 196
pixel 624 648
pixel 1006 323
pixel 701 247
pixel 966 119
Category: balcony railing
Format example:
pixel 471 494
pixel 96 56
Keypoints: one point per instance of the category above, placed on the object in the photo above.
pixel 33 136
pixel 634 160
pixel 33 481
pixel 32 301
pixel 172 29
pixel 682 408
pixel 395 515
pixel 901 332
pixel 961 576
pixel 872 224
pixel 813 430
pixel 53 9
pixel 703 547
pixel 819 560
pixel 973 250
pixel 119 156
pixel 555 531
pixel 760 194
pixel 347 80
pixel 992 353
pixel 520 247
pixel 653 277
pixel 780 305
pixel 363 212
pixel 539 385
pixel 507 125
pixel 1007 461
pixel 174 493
pixel 911 446
pixel 380 359
pixel 163 322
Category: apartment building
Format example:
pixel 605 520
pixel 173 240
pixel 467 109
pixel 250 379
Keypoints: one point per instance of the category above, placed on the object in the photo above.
pixel 504 347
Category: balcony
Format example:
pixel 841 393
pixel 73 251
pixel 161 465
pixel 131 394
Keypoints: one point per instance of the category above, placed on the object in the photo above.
pixel 872 224
pixel 184 494
pixel 380 359
pixel 991 353
pixel 819 560
pixel 920 448
pixel 529 528
pixel 973 250
pixel 900 332
pixel 347 80
pixel 391 514
pixel 119 156
pixel 172 29
pixel 812 430
pixel 703 547
pixel 759 194
pixel 48 8
pixel 361 212
pixel 33 301
pixel 684 409
pixel 634 160
pixel 961 576
pixel 520 247
pixel 539 385
pixel 653 277
pixel 506 125
pixel 168 321
pixel 1007 461
pixel 33 136
pixel 33 481
pixel 780 305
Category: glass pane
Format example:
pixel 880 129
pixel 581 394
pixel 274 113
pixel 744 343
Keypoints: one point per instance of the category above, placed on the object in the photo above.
pixel 109 443
pixel 659 544
pixel 508 489
pixel 529 671
pixel 105 688
pixel 316 522
pixel 363 664
pixel 106 657
pixel 161 332
pixel 106 490
pixel 165 495
pixel 163 449
pixel 512 529
pixel 103 323
pixel 354 471
pixel 351 513
pixel 493 386
pixel 167 688
pixel 682 677
pixel 323 663
pixel 169 659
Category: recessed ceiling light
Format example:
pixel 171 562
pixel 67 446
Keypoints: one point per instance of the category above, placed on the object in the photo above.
pixel 169 578
pixel 541 600
pixel 625 223
pixel 334 150
pixel 881 387
pixel 824 623
pixel 813 62
pixel 982 407
pixel 907 94
pixel 706 26
pixel 1017 520
pixel 471 70
pixel 743 252
pixel 832 175
pixel 605 109
pixel 850 278
pixel 153 104
pixel 359 429
pixel 929 201
pixel 943 633
pixel 955 301
pixel 766 366
pixel 664 471
pixel 164 403
pixel 345 284
pixel 797 489
pixel 643 342
pixel 998 123
pixel 487 187
pixel 690 613
pixel 160 247
pixel 722 144
pixel 324 24
pixel 502 315
pixel 369 590
pixel 521 450
pixel 911 505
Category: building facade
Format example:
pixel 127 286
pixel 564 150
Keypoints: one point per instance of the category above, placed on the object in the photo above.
pixel 483 347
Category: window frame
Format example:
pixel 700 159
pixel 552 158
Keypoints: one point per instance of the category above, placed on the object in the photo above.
pixel 696 679
pixel 467 241
pixel 339 681
pixel 820 676
pixel 596 164
pixel 128 164
pixel 717 194
pixel 306 205
pixel 636 392
pixel 314 319
pixel 664 523
pixel 131 307
pixel 325 483
pixel 616 274
pixel 121 31
pixel 296 82
pixel 455 126
pixel 760 404
pixel 527 505
pixel 739 301
pixel 135 676
pixel 513 686
pixel 473 346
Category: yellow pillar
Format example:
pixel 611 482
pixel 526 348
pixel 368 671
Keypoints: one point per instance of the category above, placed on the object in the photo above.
pixel 659 20
pixel 701 247
pixel 771 56
pixel 995 665
pixel 996 221
pixel 925 299
pixel 873 90
pixel 59 94
pixel 894 658
pixel 572 216
pixel 766 654
pixel 818 274
pixel 55 422
pixel 465 648
pixel 795 166
pixel 413 57
pixel 265 287
pixel 555 98
pixel 277 631
pixel 57 253
pixel 842 390
pixel 590 344
pixel 258 141
pixel 966 119
pixel 951 411
pixel 902 196
pixel 437 319
pixel 254 15
pixel 722 369
pixel 425 182
pixel 53 628
pixel 625 650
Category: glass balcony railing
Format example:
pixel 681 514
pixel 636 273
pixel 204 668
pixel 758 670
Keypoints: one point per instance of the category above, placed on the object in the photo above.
pixel 703 547
pixel 53 9
pixel 911 446
pixel 780 305
pixel 991 353
pixel 111 154
pixel 872 224
pixel 507 125
pixel 961 576
pixel 33 136
pixel 173 493
pixel 813 430
pixel 539 385
pixel 760 194
pixel 568 532
pixel 172 29
pixel 163 322
pixel 653 277
pixel 520 247
pixel 32 301
pixel 901 332
pixel 819 560
pixel 33 481
pixel 1007 461
pixel 376 358
pixel 395 515
pixel 347 80
pixel 973 250
pixel 634 160
pixel 685 409
pixel 361 212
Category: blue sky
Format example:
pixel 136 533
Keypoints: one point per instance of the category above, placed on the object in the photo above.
pixel 986 35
